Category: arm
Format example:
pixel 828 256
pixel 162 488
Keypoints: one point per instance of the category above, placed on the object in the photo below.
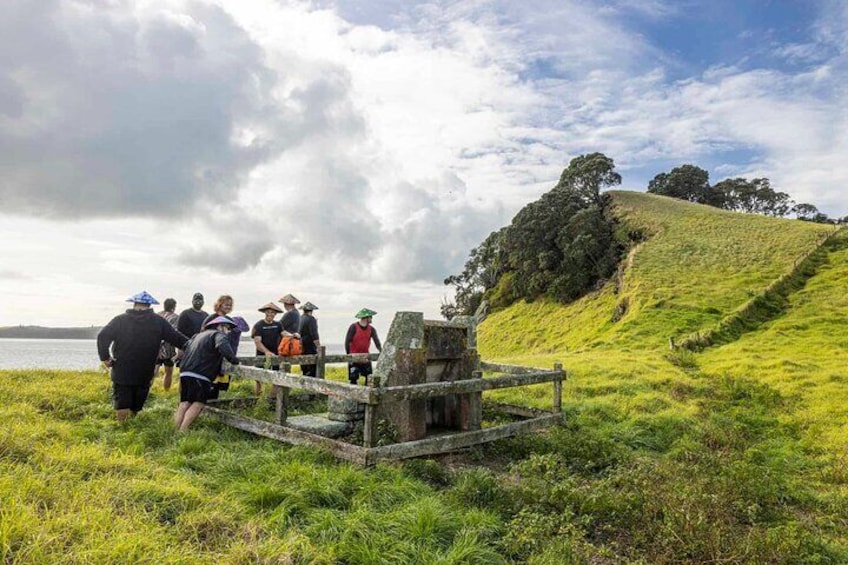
pixel 173 336
pixel 222 344
pixel 376 339
pixel 104 339
pixel 351 330
pixel 315 332
pixel 257 341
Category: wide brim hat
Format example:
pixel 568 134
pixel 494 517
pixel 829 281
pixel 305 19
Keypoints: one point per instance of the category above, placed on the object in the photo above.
pixel 241 323
pixel 365 313
pixel 308 307
pixel 142 297
pixel 271 306
pixel 215 322
pixel 289 299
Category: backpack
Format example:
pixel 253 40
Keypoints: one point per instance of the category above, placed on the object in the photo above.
pixel 290 346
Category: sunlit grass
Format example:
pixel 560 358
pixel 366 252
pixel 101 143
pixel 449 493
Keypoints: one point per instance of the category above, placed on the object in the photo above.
pixel 738 454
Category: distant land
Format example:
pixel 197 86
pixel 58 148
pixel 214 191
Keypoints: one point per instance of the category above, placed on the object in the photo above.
pixel 41 332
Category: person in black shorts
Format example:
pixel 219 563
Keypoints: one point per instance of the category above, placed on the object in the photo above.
pixel 201 364
pixel 129 346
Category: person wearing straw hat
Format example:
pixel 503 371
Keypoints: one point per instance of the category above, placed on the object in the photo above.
pixel 308 331
pixel 359 336
pixel 266 334
pixel 201 364
pixel 291 318
pixel 129 346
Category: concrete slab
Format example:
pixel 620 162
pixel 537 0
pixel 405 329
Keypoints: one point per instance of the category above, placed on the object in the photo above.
pixel 319 425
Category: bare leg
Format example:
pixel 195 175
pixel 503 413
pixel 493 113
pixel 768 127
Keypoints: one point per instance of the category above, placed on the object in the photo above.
pixel 123 415
pixel 180 414
pixel 166 382
pixel 191 414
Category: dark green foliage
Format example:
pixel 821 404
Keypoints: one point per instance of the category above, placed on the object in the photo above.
pixel 686 182
pixel 754 196
pixel 560 246
pixel 484 267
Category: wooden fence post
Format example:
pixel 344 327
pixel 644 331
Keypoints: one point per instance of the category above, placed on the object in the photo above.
pixel 321 363
pixel 475 405
pixel 282 404
pixel 558 389
pixel 369 432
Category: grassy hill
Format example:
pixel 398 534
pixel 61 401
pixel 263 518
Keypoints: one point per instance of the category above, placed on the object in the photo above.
pixel 758 423
pixel 698 264
pixel 737 454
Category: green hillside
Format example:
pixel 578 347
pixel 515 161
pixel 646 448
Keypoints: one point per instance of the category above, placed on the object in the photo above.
pixel 759 422
pixel 698 264
pixel 736 454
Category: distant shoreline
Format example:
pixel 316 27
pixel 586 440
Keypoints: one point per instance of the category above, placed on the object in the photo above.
pixel 42 332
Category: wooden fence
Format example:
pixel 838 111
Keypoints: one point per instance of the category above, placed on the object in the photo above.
pixel 372 396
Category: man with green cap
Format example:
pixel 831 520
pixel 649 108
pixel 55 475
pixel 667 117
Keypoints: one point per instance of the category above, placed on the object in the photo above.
pixel 358 340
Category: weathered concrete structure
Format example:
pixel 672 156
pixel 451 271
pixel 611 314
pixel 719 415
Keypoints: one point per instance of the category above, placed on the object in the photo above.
pixel 428 383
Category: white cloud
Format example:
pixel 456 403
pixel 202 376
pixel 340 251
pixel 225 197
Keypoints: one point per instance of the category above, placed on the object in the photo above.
pixel 354 154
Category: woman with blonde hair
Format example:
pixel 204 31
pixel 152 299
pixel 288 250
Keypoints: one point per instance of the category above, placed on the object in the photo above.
pixel 223 307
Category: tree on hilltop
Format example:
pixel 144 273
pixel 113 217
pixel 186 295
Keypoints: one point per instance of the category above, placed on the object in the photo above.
pixel 754 197
pixel 686 182
pixel 561 245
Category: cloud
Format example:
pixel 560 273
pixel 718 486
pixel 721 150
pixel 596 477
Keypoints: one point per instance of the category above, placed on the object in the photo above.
pixel 12 275
pixel 124 110
pixel 278 138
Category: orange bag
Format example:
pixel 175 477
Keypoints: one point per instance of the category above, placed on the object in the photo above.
pixel 290 346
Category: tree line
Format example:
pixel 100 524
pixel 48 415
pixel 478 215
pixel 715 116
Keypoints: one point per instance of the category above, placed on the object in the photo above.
pixel 568 242
pixel 756 196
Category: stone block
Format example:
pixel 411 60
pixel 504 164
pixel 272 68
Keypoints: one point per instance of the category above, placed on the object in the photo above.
pixel 340 405
pixel 343 417
pixel 319 425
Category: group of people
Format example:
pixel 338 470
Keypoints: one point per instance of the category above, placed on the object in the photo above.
pixel 137 343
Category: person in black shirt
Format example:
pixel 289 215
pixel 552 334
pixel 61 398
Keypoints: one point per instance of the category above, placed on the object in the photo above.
pixel 266 334
pixel 192 318
pixel 309 336
pixel 291 319
pixel 202 361
pixel 129 346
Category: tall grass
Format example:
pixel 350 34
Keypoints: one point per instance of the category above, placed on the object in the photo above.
pixel 738 454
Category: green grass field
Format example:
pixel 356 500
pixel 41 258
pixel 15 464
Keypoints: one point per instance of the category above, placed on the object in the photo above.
pixel 737 454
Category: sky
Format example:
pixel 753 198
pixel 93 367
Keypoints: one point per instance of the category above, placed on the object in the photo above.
pixel 353 152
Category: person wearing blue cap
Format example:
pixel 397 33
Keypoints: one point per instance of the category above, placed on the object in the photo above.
pixel 201 365
pixel 129 346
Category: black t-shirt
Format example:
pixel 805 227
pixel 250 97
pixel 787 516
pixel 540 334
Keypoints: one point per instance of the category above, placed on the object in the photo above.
pixel 309 334
pixel 291 321
pixel 190 321
pixel 270 334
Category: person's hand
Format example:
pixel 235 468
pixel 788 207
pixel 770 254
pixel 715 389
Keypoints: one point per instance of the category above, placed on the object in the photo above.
pixel 297 335
pixel 268 353
pixel 108 363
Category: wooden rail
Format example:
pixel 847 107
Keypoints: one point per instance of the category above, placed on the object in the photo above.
pixel 429 390
pixel 507 376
